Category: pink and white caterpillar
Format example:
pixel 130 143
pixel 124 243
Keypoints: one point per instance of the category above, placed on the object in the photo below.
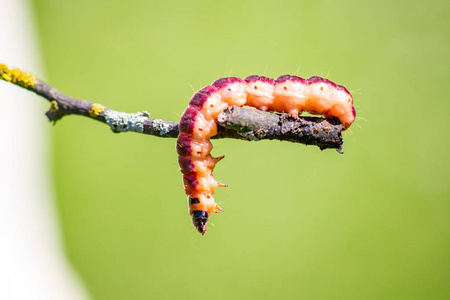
pixel 289 94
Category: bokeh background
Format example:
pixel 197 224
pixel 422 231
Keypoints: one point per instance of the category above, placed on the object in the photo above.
pixel 299 223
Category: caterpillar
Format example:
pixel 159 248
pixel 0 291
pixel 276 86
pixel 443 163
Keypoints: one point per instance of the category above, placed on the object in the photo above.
pixel 288 94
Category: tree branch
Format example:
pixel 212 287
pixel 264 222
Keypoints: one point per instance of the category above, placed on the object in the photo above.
pixel 244 123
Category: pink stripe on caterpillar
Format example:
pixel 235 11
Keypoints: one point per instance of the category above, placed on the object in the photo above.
pixel 201 96
pixel 287 93
pixel 200 184
pixel 284 78
pixel 254 78
pixel 188 146
pixel 198 165
pixel 317 79
pixel 193 122
pixel 223 82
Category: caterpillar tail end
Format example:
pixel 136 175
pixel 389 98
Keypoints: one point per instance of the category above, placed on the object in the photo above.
pixel 200 220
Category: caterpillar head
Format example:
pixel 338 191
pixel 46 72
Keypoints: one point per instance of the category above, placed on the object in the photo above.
pixel 200 220
pixel 201 206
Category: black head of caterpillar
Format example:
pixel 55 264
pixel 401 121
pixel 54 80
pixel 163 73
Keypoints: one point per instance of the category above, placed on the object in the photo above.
pixel 200 220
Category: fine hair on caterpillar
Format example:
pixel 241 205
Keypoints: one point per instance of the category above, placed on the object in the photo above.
pixel 286 94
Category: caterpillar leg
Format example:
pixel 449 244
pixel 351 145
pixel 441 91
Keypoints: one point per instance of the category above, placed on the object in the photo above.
pixel 219 209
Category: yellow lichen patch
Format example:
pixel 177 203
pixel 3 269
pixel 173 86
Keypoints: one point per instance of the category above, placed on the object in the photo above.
pixel 54 106
pixel 96 109
pixel 17 76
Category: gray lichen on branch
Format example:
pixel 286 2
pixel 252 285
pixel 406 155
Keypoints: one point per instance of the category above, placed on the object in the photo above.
pixel 244 123
pixel 123 122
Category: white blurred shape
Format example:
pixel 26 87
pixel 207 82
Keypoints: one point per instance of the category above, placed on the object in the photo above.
pixel 32 263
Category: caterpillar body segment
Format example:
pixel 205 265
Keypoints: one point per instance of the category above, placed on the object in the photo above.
pixel 288 94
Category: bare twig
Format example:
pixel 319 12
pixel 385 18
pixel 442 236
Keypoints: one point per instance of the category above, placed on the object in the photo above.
pixel 243 123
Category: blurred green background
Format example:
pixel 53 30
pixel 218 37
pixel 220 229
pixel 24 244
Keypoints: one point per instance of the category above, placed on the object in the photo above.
pixel 299 222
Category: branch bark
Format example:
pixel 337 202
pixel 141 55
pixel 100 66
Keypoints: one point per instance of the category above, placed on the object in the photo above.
pixel 244 123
